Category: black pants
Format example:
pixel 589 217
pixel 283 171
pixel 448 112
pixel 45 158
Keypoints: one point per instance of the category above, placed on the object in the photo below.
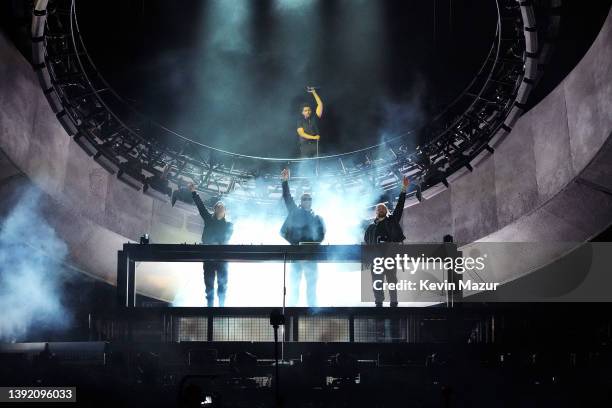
pixel 311 274
pixel 391 277
pixel 212 269
pixel 308 149
pixel 308 168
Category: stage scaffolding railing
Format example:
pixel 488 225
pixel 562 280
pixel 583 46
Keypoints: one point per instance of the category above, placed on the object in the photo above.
pixel 225 324
pixel 285 254
pixel 232 325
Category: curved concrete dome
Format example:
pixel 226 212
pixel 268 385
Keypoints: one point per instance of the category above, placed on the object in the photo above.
pixel 549 180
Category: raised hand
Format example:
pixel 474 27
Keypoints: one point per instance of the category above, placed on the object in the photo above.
pixel 285 175
pixel 406 182
pixel 191 187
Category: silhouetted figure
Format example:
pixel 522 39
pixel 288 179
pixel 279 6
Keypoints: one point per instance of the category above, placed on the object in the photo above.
pixel 217 231
pixel 302 225
pixel 387 228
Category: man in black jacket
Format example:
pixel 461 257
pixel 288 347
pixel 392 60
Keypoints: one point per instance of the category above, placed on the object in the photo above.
pixel 302 225
pixel 387 228
pixel 217 231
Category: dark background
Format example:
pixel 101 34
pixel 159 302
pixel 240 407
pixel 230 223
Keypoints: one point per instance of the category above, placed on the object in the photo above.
pixel 384 66
pixel 232 73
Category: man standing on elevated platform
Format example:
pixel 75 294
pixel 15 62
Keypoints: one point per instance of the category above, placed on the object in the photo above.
pixel 302 226
pixel 387 228
pixel 309 136
pixel 217 231
pixel 308 127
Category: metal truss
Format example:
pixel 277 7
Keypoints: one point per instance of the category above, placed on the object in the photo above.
pixel 156 160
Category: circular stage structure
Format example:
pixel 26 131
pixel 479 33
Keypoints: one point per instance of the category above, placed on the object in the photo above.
pixel 549 180
pixel 152 158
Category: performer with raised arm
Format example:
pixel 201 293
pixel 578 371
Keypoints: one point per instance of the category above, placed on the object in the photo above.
pixel 308 126
pixel 302 225
pixel 387 228
pixel 217 231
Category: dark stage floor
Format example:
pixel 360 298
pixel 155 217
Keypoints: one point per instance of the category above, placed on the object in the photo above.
pixel 476 355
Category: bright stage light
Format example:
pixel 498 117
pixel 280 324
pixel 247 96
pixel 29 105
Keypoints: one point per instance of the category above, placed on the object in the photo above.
pixel 261 284
pixel 225 25
pixel 292 5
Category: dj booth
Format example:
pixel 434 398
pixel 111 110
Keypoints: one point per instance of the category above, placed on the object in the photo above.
pixel 133 253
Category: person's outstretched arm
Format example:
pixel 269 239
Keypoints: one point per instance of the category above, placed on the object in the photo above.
pixel 301 133
pixel 315 95
pixel 198 202
pixel 399 207
pixel 289 203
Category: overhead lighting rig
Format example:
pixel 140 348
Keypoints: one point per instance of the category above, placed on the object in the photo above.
pixel 149 157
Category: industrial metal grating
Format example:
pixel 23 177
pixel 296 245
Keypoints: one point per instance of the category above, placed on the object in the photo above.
pixel 379 330
pixel 193 328
pixel 242 329
pixel 323 329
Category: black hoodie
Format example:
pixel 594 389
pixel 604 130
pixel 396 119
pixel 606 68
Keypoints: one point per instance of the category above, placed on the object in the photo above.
pixel 215 231
pixel 301 225
pixel 388 229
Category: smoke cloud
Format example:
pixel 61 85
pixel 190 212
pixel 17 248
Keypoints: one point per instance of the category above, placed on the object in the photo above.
pixel 30 283
pixel 345 211
pixel 240 86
